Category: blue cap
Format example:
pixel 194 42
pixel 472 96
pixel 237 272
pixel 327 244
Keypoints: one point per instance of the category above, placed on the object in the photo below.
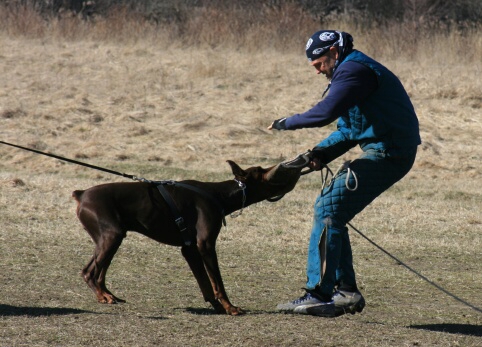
pixel 320 43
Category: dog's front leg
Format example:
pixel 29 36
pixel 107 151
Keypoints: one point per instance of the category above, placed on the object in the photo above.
pixel 195 261
pixel 210 259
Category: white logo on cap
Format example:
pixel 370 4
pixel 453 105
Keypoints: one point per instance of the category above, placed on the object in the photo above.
pixel 308 44
pixel 317 51
pixel 327 36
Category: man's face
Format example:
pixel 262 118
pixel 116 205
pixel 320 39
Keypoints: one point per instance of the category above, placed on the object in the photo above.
pixel 326 63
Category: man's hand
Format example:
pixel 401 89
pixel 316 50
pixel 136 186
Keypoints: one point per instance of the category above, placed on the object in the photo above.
pixel 278 124
pixel 317 158
pixel 315 164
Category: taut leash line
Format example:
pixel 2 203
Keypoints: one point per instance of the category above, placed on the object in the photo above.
pixel 416 272
pixel 132 177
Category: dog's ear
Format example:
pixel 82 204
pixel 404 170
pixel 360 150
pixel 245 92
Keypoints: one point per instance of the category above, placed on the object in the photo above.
pixel 237 171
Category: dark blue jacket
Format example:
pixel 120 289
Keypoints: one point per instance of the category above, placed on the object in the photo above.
pixel 372 107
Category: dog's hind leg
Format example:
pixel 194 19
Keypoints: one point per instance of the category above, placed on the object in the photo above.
pixel 95 271
pixel 194 259
pixel 87 273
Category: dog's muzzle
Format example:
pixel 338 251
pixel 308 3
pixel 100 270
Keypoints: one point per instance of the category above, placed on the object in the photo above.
pixel 288 173
pixel 301 161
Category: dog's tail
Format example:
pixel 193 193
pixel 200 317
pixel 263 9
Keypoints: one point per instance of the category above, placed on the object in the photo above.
pixel 77 194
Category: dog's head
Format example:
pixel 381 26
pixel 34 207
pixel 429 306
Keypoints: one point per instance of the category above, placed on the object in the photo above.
pixel 267 183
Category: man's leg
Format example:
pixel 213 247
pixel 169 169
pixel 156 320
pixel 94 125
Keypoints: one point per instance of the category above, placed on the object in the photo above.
pixel 372 173
pixel 345 274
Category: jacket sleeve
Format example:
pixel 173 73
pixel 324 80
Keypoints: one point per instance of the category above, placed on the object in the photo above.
pixel 336 144
pixel 352 83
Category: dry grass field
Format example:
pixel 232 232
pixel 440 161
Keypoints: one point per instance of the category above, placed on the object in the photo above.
pixel 162 110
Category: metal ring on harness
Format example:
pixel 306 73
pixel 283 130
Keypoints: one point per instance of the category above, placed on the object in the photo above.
pixel 242 186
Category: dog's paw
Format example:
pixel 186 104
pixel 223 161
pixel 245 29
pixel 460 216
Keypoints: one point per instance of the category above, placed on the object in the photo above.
pixel 235 311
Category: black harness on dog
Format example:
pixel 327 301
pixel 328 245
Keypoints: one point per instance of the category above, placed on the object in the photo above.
pixel 188 239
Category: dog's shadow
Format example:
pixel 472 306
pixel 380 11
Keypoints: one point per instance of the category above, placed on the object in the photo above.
pixel 199 311
pixel 210 311
pixel 8 310
pixel 207 311
pixel 461 329
pixel 30 311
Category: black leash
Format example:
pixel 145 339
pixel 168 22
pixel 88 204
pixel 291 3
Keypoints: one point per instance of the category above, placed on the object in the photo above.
pixel 132 177
pixel 416 272
pixel 160 186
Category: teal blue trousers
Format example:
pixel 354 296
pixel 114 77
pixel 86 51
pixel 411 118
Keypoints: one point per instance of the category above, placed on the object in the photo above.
pixel 330 260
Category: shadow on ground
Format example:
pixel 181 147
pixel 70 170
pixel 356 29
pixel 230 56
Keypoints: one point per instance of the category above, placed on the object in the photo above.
pixel 8 310
pixel 461 329
pixel 199 311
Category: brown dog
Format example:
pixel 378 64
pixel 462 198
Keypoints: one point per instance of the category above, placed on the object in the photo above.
pixel 108 211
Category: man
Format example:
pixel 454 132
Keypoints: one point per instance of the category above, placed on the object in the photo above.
pixel 375 113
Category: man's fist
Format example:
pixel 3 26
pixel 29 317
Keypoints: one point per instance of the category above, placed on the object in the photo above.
pixel 278 124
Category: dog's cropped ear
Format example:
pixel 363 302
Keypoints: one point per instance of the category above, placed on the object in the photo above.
pixel 237 171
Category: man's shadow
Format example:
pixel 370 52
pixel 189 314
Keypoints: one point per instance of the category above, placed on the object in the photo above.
pixel 461 329
pixel 8 310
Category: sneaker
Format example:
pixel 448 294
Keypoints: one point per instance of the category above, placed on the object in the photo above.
pixel 351 302
pixel 322 309
pixel 305 300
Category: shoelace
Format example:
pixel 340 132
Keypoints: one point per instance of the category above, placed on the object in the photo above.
pixel 305 297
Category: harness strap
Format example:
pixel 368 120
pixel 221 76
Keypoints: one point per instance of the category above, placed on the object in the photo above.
pixel 242 187
pixel 175 212
pixel 203 193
